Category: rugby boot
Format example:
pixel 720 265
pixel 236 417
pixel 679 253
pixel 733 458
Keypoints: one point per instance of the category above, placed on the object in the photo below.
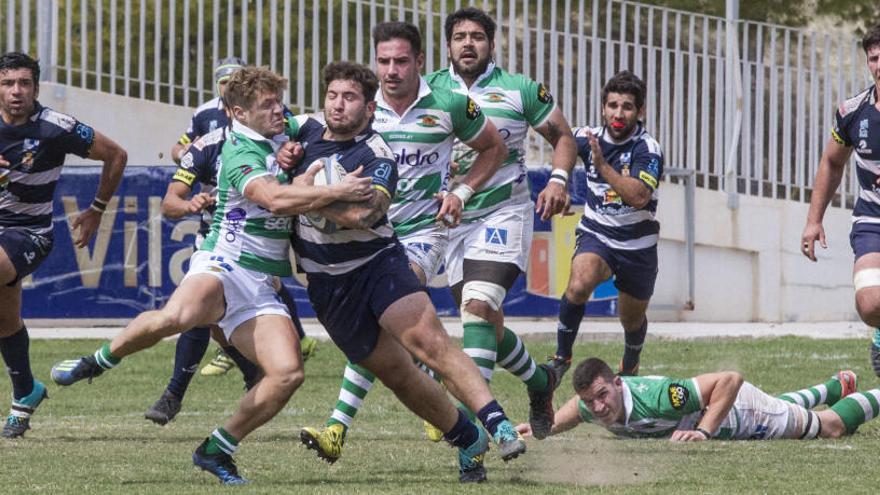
pixel 541 406
pixel 73 370
pixel 510 443
pixel 326 441
pixel 308 345
pixel 219 365
pixel 470 460
pixel 431 431
pixel 849 382
pixel 634 371
pixel 19 419
pixel 164 409
pixel 559 365
pixel 220 465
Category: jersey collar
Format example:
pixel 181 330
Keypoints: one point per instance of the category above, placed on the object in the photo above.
pixel 424 90
pixel 627 402
pixel 607 138
pixel 254 135
pixel 455 77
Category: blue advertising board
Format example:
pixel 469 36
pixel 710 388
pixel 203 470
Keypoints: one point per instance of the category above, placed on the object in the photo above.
pixel 138 257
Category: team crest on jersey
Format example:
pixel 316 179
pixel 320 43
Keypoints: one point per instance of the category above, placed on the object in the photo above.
pixel 473 110
pixel 494 97
pixel 678 396
pixel 29 149
pixel 428 120
pixel 544 95
pixel 611 197
pixel 863 128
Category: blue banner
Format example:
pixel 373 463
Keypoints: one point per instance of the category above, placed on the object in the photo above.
pixel 138 257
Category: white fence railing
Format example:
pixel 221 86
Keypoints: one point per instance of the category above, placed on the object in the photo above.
pixel 791 80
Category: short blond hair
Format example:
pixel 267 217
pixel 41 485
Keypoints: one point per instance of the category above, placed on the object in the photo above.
pixel 247 84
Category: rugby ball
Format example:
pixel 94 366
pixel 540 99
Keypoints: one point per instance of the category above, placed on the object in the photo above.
pixel 332 173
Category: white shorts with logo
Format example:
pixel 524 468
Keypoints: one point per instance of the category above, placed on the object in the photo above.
pixel 756 415
pixel 427 248
pixel 248 293
pixel 504 236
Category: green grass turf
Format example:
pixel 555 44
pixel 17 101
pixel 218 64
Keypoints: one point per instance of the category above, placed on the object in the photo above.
pixel 93 438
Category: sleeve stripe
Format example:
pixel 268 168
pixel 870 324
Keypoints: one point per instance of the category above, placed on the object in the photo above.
pixel 477 134
pixel 382 189
pixel 249 179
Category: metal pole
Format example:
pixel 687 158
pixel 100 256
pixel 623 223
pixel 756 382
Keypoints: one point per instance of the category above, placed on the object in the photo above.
pixel 733 103
pixel 45 29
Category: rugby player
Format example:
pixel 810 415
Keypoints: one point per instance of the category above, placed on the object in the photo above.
pixel 362 287
pixel 209 116
pixel 35 140
pixel 856 128
pixel 710 406
pixel 230 279
pixel 198 165
pixel 490 249
pixel 618 233
pixel 419 124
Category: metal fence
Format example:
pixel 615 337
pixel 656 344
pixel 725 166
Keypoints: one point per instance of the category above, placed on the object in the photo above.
pixel 756 126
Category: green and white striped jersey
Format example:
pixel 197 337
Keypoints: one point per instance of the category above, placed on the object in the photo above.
pixel 421 139
pixel 242 230
pixel 654 406
pixel 512 102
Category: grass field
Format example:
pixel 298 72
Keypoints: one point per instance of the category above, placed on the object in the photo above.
pixel 93 438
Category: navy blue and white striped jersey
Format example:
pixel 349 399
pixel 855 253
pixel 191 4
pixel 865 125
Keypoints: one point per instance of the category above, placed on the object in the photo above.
pixel 342 250
pixel 857 125
pixel 35 152
pixel 207 117
pixel 615 223
pixel 199 165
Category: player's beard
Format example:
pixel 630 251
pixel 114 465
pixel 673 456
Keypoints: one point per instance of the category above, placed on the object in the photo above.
pixel 472 72
pixel 354 124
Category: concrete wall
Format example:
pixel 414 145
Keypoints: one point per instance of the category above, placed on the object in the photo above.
pixel 146 129
pixel 748 263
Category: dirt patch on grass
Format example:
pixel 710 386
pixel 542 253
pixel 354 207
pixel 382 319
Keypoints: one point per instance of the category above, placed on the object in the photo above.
pixel 591 457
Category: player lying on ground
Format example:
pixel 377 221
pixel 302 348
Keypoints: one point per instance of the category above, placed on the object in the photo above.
pixel 713 405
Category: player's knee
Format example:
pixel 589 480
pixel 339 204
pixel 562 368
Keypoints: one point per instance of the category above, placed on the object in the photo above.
pixel 579 290
pixel 287 378
pixel 481 300
pixel 868 305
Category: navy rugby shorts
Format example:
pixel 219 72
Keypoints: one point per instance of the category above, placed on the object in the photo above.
pixel 635 271
pixel 864 238
pixel 350 305
pixel 25 249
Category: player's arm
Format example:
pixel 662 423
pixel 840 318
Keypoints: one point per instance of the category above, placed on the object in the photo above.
pixel 364 214
pixel 632 191
pixel 718 392
pixel 115 158
pixel 491 152
pixel 828 178
pixel 293 199
pixel 186 139
pixel 358 215
pixel 566 418
pixel 554 198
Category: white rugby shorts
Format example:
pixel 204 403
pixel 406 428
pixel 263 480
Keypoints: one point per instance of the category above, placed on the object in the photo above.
pixel 426 248
pixel 248 293
pixel 505 236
